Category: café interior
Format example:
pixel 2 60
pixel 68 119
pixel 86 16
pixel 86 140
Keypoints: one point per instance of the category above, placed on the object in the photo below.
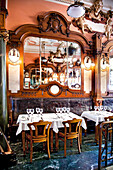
pixel 56 75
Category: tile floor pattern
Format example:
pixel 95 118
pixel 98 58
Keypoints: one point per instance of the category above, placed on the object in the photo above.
pixel 86 160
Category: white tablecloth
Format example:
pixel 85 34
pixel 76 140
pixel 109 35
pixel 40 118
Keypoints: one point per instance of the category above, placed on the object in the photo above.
pixel 56 120
pixel 96 116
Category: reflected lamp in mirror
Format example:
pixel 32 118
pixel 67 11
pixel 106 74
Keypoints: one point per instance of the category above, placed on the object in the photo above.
pixel 27 80
pixel 14 55
pixel 76 10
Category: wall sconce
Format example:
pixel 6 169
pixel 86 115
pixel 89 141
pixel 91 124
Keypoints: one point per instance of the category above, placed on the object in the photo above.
pixel 14 55
pixel 76 10
pixel 104 62
pixel 88 62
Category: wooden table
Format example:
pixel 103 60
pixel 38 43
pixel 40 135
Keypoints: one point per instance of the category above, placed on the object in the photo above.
pixel 52 117
pixel 97 117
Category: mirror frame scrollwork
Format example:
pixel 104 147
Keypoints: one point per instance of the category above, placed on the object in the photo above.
pixel 58 31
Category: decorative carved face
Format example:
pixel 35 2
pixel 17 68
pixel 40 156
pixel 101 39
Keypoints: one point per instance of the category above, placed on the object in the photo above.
pixel 98 6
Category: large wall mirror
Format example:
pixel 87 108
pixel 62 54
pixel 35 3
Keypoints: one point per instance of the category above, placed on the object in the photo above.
pixel 47 60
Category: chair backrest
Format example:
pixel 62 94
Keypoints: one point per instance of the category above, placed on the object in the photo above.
pixel 74 125
pixel 108 118
pixel 4 145
pixel 39 127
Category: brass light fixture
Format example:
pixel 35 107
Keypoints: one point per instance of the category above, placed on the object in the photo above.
pixel 76 10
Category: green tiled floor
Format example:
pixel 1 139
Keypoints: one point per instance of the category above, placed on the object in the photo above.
pixel 87 160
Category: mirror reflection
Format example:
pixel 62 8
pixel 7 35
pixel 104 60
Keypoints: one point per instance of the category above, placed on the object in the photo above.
pixel 47 60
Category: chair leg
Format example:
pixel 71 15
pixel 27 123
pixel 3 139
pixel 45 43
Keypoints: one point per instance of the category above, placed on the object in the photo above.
pixel 48 150
pixel 78 140
pixel 65 147
pixel 71 142
pixel 27 145
pixel 44 144
pixel 31 151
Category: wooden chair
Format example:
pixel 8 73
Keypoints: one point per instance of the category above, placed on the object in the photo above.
pixel 7 157
pixel 74 132
pixel 4 145
pixel 39 134
pixel 110 118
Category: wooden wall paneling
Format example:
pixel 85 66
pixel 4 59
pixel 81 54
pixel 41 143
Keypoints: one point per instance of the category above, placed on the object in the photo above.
pixel 55 26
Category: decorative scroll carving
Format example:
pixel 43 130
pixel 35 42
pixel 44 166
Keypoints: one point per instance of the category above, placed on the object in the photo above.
pixel 4 34
pixel 108 28
pixel 96 10
pixel 53 21
pixel 2 25
pixel 81 23
pixel 28 93
pixel 95 20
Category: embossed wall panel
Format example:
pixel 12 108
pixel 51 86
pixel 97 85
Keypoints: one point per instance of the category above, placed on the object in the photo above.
pixel 76 105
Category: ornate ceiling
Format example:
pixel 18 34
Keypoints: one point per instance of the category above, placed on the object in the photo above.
pixel 107 4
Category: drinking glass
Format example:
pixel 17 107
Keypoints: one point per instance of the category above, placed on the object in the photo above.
pixel 37 110
pixel 32 111
pixel 105 108
pixel 61 110
pixel 98 107
pixel 68 110
pixel 41 111
pixel 57 109
pixel 64 109
pixel 95 107
pixel 109 109
pixel 101 108
pixel 28 111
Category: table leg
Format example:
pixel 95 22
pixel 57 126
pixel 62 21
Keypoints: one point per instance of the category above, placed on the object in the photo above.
pixel 56 141
pixel 80 135
pixel 51 139
pixel 97 134
pixel 85 131
pixel 23 141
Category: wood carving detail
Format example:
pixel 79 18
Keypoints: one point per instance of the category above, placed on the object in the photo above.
pixel 54 21
pixel 95 11
pixel 95 20
pixel 108 28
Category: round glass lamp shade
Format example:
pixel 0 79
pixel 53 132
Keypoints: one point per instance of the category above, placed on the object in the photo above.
pixel 14 55
pixel 54 89
pixel 76 10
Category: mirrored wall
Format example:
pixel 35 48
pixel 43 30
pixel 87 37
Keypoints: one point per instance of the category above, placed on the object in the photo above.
pixel 47 60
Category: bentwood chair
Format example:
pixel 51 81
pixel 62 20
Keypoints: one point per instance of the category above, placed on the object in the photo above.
pixel 7 156
pixel 110 118
pixel 4 145
pixel 38 135
pixel 71 133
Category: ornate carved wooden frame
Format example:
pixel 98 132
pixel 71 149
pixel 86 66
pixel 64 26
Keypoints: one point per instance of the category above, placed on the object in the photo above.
pixel 50 25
